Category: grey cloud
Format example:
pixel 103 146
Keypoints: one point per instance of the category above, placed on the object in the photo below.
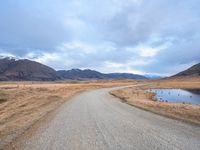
pixel 32 28
pixel 27 26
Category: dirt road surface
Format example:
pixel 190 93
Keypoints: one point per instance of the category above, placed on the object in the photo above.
pixel 96 120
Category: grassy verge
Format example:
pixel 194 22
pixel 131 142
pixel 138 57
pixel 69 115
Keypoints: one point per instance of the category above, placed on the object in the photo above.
pixel 137 97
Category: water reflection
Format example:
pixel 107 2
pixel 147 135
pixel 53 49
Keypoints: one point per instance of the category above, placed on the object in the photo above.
pixel 177 95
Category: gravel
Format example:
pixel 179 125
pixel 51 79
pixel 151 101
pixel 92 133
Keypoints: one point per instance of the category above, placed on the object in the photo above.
pixel 96 120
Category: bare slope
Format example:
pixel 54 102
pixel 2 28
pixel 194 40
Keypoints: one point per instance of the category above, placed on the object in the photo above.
pixel 193 71
pixel 24 69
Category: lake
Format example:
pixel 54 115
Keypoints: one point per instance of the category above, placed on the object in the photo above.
pixel 177 95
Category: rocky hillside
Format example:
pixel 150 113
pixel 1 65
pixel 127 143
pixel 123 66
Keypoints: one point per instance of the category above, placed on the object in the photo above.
pixel 193 71
pixel 11 69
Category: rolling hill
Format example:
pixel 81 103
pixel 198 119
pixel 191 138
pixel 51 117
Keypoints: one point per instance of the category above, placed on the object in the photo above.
pixel 24 69
pixel 193 71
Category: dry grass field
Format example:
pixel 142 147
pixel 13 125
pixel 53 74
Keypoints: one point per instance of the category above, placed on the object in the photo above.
pixel 24 103
pixel 137 97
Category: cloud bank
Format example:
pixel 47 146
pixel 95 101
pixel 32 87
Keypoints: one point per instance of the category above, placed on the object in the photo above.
pixel 137 36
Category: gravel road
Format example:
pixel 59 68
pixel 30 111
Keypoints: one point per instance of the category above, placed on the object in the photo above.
pixel 96 120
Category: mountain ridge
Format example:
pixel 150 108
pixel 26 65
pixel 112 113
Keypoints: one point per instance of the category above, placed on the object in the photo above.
pixel 12 69
pixel 193 71
pixel 78 74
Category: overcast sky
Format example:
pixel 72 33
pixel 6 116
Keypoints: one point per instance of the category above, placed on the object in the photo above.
pixel 137 36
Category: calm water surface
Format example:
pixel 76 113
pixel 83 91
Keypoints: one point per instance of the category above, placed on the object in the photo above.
pixel 177 95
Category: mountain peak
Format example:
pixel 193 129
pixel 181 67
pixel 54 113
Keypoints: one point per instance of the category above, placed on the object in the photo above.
pixel 24 69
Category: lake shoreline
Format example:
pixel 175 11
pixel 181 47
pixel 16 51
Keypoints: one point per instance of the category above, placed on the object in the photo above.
pixel 136 96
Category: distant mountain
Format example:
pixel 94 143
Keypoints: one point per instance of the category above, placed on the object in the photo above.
pixel 125 76
pixel 153 76
pixel 77 74
pixel 193 71
pixel 27 70
pixel 24 69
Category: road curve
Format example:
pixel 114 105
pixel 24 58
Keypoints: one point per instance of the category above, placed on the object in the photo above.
pixel 96 120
